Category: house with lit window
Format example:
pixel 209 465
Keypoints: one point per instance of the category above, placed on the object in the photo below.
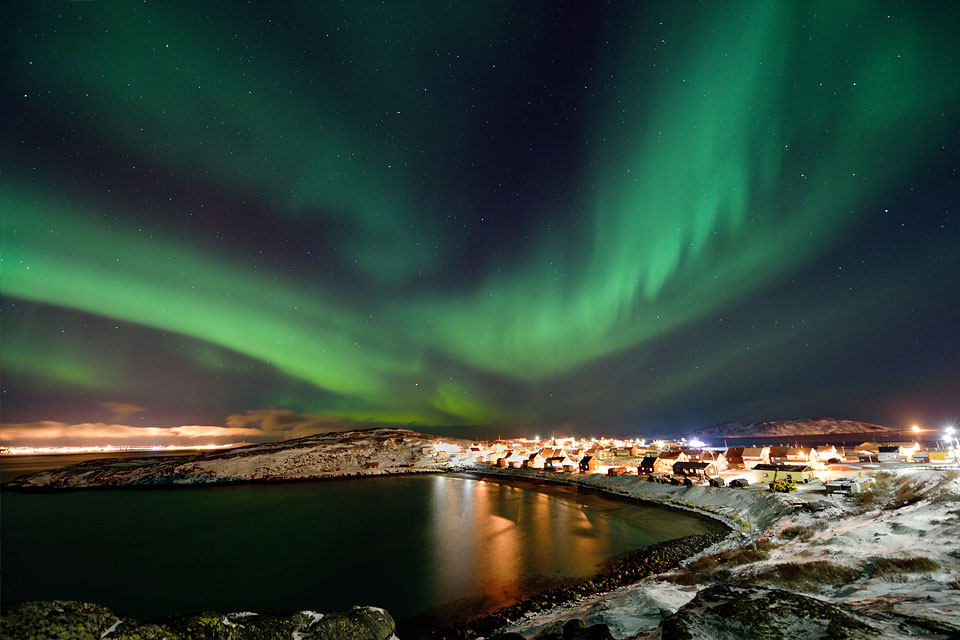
pixel 647 465
pixel 752 456
pixel 696 469
pixel 791 472
pixel 589 464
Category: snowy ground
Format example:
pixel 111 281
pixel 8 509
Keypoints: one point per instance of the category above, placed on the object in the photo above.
pixel 843 531
pixel 370 452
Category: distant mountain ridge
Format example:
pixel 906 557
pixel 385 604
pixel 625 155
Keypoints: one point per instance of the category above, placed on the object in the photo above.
pixel 801 427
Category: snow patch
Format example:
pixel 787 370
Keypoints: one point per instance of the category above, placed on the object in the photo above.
pixel 112 628
pixel 240 615
pixel 313 616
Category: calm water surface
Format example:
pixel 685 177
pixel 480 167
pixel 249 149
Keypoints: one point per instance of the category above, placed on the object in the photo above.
pixel 429 549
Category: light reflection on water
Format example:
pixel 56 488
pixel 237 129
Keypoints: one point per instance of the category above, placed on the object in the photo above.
pixel 429 549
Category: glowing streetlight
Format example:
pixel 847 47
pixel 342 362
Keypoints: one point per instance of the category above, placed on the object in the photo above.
pixel 950 431
pixel 916 429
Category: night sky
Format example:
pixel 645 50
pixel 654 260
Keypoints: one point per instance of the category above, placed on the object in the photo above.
pixel 525 217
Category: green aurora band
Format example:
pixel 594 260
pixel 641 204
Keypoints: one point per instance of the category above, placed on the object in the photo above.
pixel 714 161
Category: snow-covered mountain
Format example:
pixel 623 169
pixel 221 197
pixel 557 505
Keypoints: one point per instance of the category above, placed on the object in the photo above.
pixel 802 427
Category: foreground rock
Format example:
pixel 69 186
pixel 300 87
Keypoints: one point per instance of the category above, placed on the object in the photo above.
pixel 756 613
pixel 57 619
pixel 330 455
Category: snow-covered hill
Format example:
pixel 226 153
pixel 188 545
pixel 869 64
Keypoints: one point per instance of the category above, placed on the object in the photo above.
pixel 381 451
pixel 803 427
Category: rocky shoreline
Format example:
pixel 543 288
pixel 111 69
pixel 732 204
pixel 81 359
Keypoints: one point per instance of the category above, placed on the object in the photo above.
pixel 68 620
pixel 874 584
pixel 876 587
pixel 625 570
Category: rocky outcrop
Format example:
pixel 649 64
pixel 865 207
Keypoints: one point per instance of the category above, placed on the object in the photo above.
pixel 728 612
pixel 572 630
pixel 367 452
pixel 66 620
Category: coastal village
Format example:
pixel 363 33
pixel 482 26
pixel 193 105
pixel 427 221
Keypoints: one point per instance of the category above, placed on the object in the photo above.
pixel 690 463
pixel 854 553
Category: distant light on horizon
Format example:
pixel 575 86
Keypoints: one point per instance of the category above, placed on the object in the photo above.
pixel 109 448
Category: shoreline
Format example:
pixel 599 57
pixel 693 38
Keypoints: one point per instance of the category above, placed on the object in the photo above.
pixel 623 571
pixel 637 563
pixel 858 535
pixel 618 571
pixel 724 504
pixel 173 484
pixel 848 534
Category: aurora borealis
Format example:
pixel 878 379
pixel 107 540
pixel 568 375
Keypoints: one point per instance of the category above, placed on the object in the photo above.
pixel 517 216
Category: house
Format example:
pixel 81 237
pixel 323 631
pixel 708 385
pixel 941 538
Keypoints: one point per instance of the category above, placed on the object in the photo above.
pixel 667 459
pixel 717 458
pixel 792 472
pixel 734 457
pixel 778 455
pixel 828 453
pixel 941 455
pixel 803 455
pixel 892 453
pixel 536 461
pixel 921 456
pixel 589 464
pixel 514 460
pixel 868 451
pixel 372 465
pixel 695 469
pixel 571 466
pixel 606 453
pixel 647 465
pixel 675 455
pixel 850 487
pixel 556 463
pixel 551 452
pixel 849 454
pixel 752 456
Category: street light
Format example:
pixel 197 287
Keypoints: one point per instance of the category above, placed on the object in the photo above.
pixel 916 429
pixel 950 432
